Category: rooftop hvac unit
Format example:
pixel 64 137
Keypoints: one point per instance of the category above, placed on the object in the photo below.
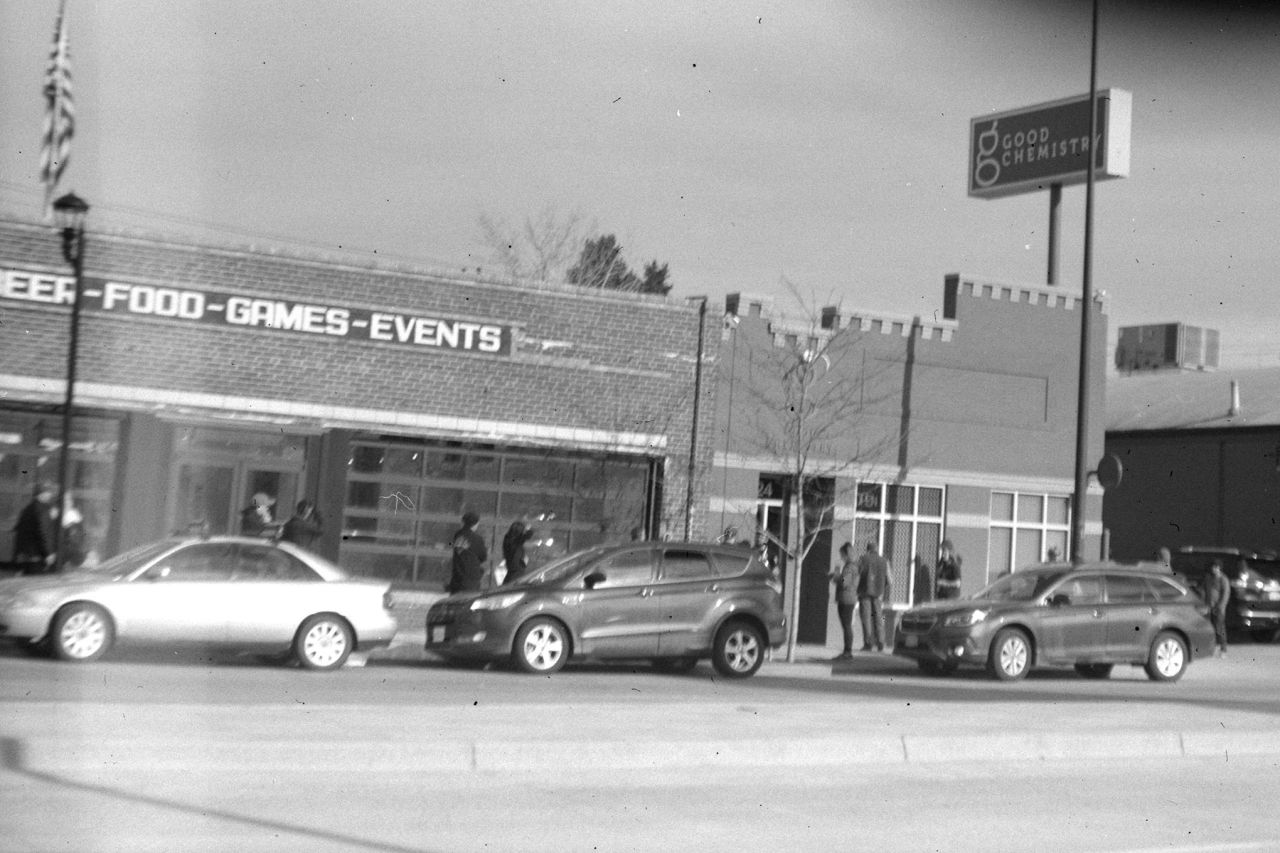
pixel 1167 346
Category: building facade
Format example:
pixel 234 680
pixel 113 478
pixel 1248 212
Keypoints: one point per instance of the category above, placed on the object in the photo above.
pixel 394 398
pixel 957 426
pixel 1201 458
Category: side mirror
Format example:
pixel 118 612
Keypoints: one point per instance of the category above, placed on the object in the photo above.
pixel 156 573
pixel 1060 599
pixel 594 579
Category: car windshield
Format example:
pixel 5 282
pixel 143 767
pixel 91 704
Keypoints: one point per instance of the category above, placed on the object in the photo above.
pixel 560 569
pixel 124 564
pixel 1021 586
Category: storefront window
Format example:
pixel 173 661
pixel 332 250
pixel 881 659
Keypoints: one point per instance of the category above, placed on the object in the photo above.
pixel 30 453
pixel 907 533
pixel 400 514
pixel 1038 534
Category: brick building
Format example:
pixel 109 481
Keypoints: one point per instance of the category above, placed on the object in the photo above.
pixel 964 429
pixel 395 398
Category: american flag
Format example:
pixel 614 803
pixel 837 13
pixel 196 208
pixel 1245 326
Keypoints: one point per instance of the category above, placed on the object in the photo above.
pixel 60 112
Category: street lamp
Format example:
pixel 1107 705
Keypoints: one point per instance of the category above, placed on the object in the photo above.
pixel 69 212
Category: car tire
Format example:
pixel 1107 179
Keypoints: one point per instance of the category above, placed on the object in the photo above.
pixel 675 666
pixel 323 642
pixel 936 667
pixel 81 633
pixel 1010 657
pixel 738 650
pixel 1168 658
pixel 541 646
pixel 1096 671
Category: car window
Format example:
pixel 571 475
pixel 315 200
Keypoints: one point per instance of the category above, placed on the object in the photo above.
pixel 1084 589
pixel 1020 586
pixel 1165 590
pixel 271 564
pixel 202 562
pixel 628 568
pixel 728 565
pixel 1128 589
pixel 684 564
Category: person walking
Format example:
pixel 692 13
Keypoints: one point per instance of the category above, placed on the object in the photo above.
pixel 305 527
pixel 513 553
pixel 845 577
pixel 469 555
pixel 873 582
pixel 35 535
pixel 948 573
pixel 1217 592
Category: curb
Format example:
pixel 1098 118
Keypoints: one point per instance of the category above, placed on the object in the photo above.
pixel 50 755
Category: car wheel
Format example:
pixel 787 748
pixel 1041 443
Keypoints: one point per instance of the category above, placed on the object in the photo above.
pixel 1010 657
pixel 81 632
pixel 323 642
pixel 1094 670
pixel 738 650
pixel 1168 660
pixel 542 646
pixel 675 666
pixel 936 667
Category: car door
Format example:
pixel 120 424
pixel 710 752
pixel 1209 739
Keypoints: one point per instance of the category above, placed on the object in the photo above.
pixel 1073 625
pixel 687 592
pixel 618 616
pixel 273 591
pixel 1131 617
pixel 181 598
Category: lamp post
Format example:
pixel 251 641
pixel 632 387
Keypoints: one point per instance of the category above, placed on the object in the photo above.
pixel 697 404
pixel 69 212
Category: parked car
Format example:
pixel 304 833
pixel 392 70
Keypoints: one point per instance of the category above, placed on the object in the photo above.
pixel 1091 616
pixel 669 603
pixel 1254 605
pixel 221 590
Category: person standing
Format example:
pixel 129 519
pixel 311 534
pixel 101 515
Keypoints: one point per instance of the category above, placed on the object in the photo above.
pixel 513 553
pixel 873 583
pixel 1217 592
pixel 948 573
pixel 305 527
pixel 257 518
pixel 845 577
pixel 469 555
pixel 35 535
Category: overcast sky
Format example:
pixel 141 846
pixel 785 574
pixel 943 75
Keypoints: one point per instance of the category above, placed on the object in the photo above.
pixel 741 143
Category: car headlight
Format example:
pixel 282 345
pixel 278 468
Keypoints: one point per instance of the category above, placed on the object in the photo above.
pixel 965 619
pixel 497 602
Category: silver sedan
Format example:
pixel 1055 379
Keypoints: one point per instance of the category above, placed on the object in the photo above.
pixel 222 590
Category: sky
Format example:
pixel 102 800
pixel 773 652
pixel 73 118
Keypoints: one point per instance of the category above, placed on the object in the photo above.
pixel 755 147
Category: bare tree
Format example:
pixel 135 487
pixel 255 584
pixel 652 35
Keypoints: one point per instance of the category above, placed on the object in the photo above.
pixel 542 248
pixel 813 394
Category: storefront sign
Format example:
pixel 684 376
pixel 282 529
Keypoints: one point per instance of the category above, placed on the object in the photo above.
pixel 227 309
pixel 1031 148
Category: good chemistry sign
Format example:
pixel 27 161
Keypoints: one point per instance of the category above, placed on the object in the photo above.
pixel 1035 147
pixel 238 310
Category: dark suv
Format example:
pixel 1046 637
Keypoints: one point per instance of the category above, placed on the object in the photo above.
pixel 671 603
pixel 1254 606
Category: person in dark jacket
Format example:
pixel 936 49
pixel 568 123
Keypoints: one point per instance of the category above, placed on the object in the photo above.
pixel 35 535
pixel 305 527
pixel 513 553
pixel 1217 592
pixel 469 555
pixel 873 584
pixel 948 574
pixel 845 577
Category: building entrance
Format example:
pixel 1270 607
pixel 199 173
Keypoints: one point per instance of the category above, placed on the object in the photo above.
pixel 216 473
